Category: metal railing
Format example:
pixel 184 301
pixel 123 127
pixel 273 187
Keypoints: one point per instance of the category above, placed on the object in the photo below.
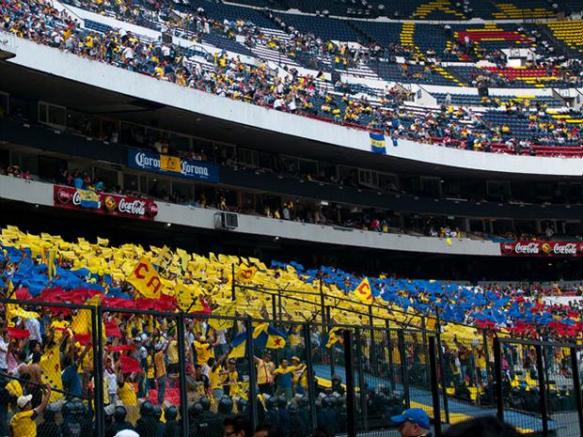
pixel 190 372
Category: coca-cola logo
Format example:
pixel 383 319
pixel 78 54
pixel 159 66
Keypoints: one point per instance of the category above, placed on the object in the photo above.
pixel 76 198
pixel 69 197
pixel 565 249
pixel 63 196
pixel 135 207
pixel 529 248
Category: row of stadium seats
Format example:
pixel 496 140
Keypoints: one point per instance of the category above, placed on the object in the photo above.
pixel 428 9
pixel 405 40
pixel 310 97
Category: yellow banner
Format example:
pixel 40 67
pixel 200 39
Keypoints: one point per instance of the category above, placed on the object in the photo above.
pixel 146 280
pixel 170 163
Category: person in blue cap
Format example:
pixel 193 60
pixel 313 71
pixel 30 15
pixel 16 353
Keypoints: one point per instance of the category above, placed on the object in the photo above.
pixel 413 422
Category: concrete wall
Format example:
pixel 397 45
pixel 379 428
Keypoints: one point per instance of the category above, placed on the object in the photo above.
pixel 40 193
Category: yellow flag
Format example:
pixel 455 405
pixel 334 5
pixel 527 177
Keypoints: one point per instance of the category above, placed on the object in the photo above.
pixel 245 273
pixel 145 279
pixel 51 263
pixel 187 297
pixel 364 292
pixel 164 259
pixel 81 323
pixel 50 365
pixel 224 310
pixel 13 310
pixel 170 163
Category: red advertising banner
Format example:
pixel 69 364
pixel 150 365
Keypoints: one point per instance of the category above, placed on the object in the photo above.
pixel 104 203
pixel 542 248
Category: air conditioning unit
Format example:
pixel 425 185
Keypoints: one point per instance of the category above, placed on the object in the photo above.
pixel 226 220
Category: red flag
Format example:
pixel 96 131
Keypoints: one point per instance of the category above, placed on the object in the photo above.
pixel 129 365
pixel 121 347
pixel 18 333
pixel 112 330
pixel 84 339
pixel 22 293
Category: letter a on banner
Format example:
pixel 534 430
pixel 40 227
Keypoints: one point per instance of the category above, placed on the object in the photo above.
pixel 146 280
pixel 364 292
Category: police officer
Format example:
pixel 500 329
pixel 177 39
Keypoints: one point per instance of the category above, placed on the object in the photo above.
pixel 146 424
pixel 119 420
pixel 173 427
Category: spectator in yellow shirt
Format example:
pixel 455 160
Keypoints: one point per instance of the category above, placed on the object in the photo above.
pixel 23 422
pixel 264 370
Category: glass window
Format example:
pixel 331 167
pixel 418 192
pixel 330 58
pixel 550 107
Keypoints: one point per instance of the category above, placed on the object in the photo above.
pixel 182 192
pixel 431 187
pixel 23 109
pixel 131 183
pixel 57 115
pixel 290 165
pixel 52 114
pixel 247 157
pixel 368 178
pixel 498 190
pixel 308 167
pixel 159 188
pixel 107 177
pixel 50 168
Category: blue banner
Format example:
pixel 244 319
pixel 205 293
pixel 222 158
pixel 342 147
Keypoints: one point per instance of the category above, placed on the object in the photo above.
pixel 173 166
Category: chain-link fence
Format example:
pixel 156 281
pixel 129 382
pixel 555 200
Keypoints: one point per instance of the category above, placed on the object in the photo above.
pixel 539 386
pixel 175 373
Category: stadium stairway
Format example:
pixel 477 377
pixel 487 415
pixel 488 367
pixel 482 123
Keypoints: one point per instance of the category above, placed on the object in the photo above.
pixel 262 51
pixel 428 10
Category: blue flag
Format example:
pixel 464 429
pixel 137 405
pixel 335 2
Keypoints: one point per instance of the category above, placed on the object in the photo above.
pixel 377 143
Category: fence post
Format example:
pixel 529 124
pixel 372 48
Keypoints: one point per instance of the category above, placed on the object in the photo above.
pixel 489 378
pixel 404 370
pixel 390 347
pixel 475 374
pixel 350 398
pixel 97 372
pixel 434 388
pixel 542 388
pixel 498 380
pixel 280 305
pixel 311 381
pixel 329 319
pixel 233 283
pixel 371 355
pixel 273 308
pixel 322 304
pixel 182 372
pixel 252 379
pixel 361 381
pixel 577 387
pixel 441 364
pixel 425 345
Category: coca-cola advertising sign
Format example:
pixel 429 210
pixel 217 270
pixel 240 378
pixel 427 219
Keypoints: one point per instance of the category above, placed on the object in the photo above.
pixel 542 248
pixel 108 203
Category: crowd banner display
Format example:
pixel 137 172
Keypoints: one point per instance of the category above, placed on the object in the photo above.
pixel 542 248
pixel 172 165
pixel 104 203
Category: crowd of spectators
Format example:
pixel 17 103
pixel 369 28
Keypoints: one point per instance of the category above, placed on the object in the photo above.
pixel 51 345
pixel 285 90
